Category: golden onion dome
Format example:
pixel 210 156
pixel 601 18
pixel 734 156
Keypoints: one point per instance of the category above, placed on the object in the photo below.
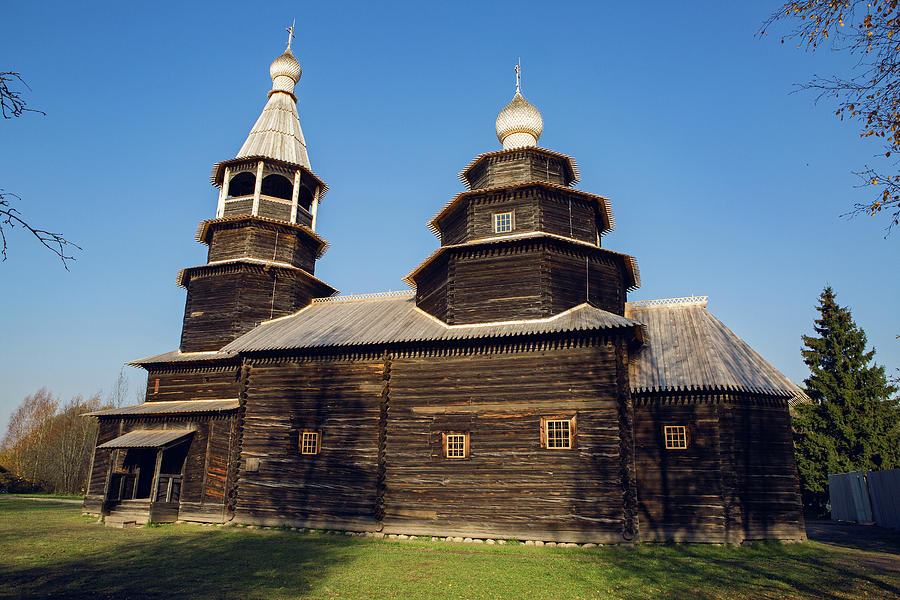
pixel 286 66
pixel 519 124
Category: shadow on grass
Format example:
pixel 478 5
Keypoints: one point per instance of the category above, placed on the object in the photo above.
pixel 763 570
pixel 851 535
pixel 74 558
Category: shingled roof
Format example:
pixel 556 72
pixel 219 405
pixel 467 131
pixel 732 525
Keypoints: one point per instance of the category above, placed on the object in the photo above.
pixel 686 348
pixel 394 318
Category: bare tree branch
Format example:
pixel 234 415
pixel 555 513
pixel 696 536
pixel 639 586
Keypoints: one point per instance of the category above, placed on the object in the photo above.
pixel 11 102
pixel 13 105
pixel 10 218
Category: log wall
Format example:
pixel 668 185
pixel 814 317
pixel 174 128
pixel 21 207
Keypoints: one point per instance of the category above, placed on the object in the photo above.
pixel 227 301
pixel 509 486
pixel 248 239
pixel 527 279
pixel 192 383
pixel 339 397
pixel 735 481
pixel 517 166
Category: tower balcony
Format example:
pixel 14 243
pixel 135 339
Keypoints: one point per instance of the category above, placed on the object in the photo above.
pixel 270 207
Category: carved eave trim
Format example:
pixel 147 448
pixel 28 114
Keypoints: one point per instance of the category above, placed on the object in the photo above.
pixel 218 170
pixel 575 174
pixel 606 212
pixel 630 262
pixel 204 229
pixel 184 275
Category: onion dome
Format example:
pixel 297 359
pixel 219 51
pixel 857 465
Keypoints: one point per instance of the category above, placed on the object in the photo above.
pixel 519 124
pixel 285 72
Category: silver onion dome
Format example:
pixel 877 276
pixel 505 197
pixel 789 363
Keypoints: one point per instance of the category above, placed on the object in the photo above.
pixel 519 124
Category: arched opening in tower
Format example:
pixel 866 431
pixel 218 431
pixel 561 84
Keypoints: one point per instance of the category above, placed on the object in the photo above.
pixel 242 184
pixel 277 186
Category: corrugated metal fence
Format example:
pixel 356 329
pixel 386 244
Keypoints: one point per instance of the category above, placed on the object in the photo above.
pixel 866 497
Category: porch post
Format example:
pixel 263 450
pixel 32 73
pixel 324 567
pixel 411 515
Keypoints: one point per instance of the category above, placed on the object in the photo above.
pixel 156 468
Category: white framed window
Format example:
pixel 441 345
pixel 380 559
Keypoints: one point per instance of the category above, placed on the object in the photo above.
pixel 310 442
pixel 558 433
pixel 504 222
pixel 456 445
pixel 676 437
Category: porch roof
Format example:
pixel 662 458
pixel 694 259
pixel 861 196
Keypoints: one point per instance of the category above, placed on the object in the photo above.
pixel 168 407
pixel 156 438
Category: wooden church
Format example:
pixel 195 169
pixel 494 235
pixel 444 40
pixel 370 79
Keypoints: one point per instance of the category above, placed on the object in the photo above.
pixel 515 393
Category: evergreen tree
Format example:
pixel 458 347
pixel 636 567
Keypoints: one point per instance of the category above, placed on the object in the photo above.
pixel 852 422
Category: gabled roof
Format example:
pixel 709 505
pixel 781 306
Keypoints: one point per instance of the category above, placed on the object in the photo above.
pixel 177 356
pixel 687 349
pixel 395 318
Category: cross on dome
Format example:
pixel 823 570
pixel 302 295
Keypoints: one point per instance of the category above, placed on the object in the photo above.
pixel 519 124
pixel 290 31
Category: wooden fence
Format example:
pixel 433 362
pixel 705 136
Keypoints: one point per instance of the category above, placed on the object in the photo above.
pixel 866 497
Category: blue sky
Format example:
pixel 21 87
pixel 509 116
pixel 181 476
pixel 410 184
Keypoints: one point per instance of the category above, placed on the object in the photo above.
pixel 723 183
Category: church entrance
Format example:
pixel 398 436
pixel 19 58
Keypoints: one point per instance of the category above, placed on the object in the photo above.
pixel 135 478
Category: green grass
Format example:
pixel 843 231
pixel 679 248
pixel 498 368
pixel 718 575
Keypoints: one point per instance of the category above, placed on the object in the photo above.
pixel 50 550
pixel 49 496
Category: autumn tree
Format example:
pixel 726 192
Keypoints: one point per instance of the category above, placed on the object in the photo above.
pixel 869 93
pixel 12 105
pixel 49 443
pixel 852 422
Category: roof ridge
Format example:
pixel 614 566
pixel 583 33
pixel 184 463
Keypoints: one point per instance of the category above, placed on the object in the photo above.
pixel 692 300
pixel 370 296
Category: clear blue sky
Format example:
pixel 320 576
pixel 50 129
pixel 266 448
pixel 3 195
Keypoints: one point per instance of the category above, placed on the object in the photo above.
pixel 722 182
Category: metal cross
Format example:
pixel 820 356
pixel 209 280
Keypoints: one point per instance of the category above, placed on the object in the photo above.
pixel 518 73
pixel 290 31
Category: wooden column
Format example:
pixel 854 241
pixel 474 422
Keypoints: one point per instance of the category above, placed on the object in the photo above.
pixel 155 483
pixel 257 189
pixel 223 193
pixel 294 196
pixel 314 209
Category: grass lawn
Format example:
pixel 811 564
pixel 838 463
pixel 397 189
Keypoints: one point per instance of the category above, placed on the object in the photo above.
pixel 50 550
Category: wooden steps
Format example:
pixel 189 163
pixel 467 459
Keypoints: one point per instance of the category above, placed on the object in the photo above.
pixel 129 513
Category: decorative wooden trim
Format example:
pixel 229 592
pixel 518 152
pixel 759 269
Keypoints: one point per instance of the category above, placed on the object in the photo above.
pixel 223 193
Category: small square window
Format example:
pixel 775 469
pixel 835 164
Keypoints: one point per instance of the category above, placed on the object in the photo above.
pixel 557 434
pixel 456 445
pixel 676 437
pixel 310 442
pixel 503 222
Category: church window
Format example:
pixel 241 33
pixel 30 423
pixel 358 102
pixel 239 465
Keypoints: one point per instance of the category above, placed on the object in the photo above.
pixel 557 434
pixel 503 222
pixel 456 445
pixel 676 437
pixel 310 442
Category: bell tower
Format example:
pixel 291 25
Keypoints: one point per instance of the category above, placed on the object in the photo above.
pixel 263 244
pixel 521 243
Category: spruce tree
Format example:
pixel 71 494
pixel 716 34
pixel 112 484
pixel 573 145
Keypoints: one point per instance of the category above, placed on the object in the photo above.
pixel 852 423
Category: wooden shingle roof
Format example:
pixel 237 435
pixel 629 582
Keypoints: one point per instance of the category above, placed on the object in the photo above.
pixel 686 349
pixel 394 318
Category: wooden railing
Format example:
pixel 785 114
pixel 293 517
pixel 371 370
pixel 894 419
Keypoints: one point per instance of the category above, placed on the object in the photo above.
pixel 122 486
pixel 168 489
